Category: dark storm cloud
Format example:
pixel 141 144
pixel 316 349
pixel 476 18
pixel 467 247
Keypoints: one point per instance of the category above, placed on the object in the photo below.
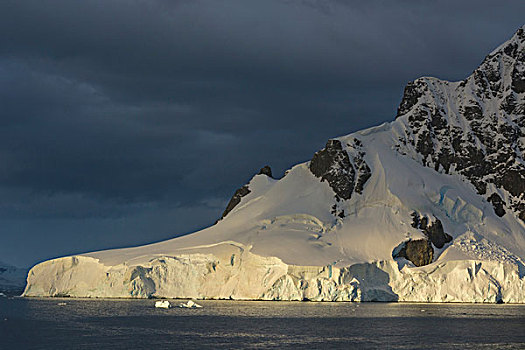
pixel 124 122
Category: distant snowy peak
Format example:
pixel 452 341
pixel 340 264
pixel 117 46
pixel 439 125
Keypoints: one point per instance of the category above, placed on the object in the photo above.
pixel 12 278
pixel 474 128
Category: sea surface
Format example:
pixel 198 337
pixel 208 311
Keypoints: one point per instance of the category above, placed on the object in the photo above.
pixel 136 324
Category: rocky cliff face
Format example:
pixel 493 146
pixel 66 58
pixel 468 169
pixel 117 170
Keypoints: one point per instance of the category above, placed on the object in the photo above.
pixel 474 128
pixel 344 169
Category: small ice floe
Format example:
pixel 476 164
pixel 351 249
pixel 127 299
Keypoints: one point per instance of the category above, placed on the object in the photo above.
pixel 2 295
pixel 163 304
pixel 190 305
pixel 62 304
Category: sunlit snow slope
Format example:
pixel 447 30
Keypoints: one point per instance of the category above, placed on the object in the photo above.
pixel 429 207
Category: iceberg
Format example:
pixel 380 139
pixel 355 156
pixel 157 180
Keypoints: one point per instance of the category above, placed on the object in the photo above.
pixel 190 304
pixel 162 304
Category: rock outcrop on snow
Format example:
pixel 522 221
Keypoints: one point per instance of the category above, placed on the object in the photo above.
pixel 266 170
pixel 332 164
pixel 419 251
pixel 432 230
pixel 428 207
pixel 345 170
pixel 243 191
pixel 236 199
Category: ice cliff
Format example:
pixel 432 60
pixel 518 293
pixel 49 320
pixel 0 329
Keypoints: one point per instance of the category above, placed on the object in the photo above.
pixel 428 207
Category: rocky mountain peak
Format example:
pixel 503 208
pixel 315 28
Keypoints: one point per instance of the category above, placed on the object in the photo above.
pixel 502 72
pixel 474 128
pixel 266 170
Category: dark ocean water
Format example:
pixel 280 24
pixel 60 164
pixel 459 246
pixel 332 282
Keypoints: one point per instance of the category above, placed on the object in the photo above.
pixel 136 324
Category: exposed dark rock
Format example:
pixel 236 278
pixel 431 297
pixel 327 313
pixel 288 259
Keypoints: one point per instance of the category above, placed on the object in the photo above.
pixel 266 170
pixel 236 199
pixel 433 230
pixel 512 180
pixel 489 150
pixel 511 50
pixel 498 204
pixel 419 251
pixel 243 191
pixel 473 112
pixel 335 212
pixel 345 170
pixel 410 98
pixel 425 145
pixel 364 174
pixel 518 80
pixel 509 104
pixel 333 165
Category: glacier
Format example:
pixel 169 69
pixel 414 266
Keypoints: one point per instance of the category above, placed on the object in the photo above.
pixel 449 171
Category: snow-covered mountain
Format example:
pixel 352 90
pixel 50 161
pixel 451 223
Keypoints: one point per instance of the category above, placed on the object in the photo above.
pixel 12 279
pixel 428 207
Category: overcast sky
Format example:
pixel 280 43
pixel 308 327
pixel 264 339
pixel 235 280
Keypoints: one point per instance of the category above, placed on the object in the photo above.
pixel 128 122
